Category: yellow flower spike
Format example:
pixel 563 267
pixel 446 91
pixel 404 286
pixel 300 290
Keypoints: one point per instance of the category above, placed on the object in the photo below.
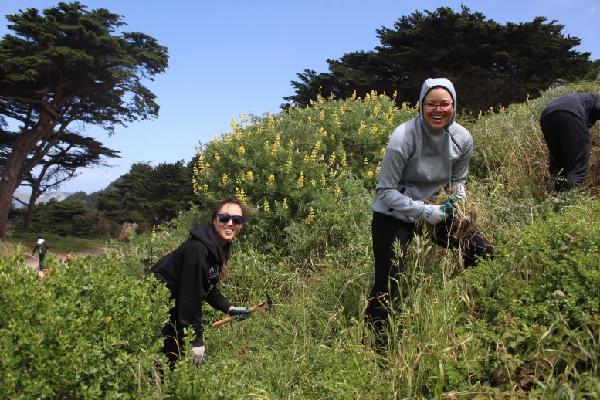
pixel 337 190
pixel 366 161
pixel 382 151
pixel 284 205
pixel 266 206
pixel 320 99
pixel 313 182
pixel 343 162
pixel 374 130
pixel 240 195
pixel 228 138
pixel 322 115
pixel 331 159
pixel 353 97
pixel 300 181
pixel 288 165
pixel 271 179
pixel 234 125
pixel 224 179
pixel 310 218
pixel 250 176
pixel 241 150
pixel 370 174
pixel 323 181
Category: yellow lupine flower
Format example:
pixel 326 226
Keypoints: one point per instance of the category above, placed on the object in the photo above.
pixel 331 159
pixel 217 157
pixel 376 110
pixel 284 204
pixel 271 179
pixel 382 151
pixel 366 161
pixel 322 115
pixel 323 181
pixel 300 181
pixel 313 182
pixel 337 190
pixel 250 176
pixel 228 138
pixel 370 174
pixel 234 125
pixel 310 218
pixel 289 164
pixel 266 206
pixel 241 150
pixel 224 179
pixel 241 195
pixel 343 161
pixel 353 97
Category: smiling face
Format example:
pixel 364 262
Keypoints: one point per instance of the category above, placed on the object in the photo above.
pixel 438 108
pixel 228 230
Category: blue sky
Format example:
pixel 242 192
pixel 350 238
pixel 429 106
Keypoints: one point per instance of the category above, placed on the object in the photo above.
pixel 229 58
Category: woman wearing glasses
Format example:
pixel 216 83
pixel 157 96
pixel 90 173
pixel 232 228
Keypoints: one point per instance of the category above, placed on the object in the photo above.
pixel 424 154
pixel 192 273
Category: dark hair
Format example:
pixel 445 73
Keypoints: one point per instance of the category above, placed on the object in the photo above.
pixel 231 200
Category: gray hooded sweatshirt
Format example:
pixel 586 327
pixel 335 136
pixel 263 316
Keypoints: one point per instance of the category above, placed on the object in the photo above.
pixel 419 160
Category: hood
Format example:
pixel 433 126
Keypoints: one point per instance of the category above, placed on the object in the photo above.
pixel 206 234
pixel 40 241
pixel 432 83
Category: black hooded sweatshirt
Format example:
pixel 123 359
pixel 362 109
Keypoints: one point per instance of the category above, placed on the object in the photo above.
pixel 191 272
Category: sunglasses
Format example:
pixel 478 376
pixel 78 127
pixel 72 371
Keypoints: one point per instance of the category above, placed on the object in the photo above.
pixel 225 218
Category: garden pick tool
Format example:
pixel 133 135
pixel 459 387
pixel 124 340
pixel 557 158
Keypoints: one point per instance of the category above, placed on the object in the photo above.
pixel 265 305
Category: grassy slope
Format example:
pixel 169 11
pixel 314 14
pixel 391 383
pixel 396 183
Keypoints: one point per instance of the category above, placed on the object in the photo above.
pixel 510 328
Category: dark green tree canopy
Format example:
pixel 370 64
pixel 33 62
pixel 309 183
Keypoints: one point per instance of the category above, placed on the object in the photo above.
pixel 490 64
pixel 69 64
pixel 148 195
pixel 70 61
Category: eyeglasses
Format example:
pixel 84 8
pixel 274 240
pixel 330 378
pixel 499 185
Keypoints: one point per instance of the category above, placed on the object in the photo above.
pixel 225 218
pixel 441 106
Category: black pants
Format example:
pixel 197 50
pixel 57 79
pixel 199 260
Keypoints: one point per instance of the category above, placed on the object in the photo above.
pixel 569 145
pixel 173 338
pixel 385 231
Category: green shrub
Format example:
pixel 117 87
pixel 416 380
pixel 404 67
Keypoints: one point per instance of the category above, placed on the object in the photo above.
pixel 85 331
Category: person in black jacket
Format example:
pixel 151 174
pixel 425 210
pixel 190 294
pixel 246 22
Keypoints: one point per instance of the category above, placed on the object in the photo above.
pixel 192 273
pixel 565 123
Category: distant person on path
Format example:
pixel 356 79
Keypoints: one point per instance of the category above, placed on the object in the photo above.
pixel 41 248
pixel 424 155
pixel 192 273
pixel 565 123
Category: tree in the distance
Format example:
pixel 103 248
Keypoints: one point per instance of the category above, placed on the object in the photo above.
pixel 60 164
pixel 65 65
pixel 490 64
pixel 148 195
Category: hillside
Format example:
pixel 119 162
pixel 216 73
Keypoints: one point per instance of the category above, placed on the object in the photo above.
pixel 523 325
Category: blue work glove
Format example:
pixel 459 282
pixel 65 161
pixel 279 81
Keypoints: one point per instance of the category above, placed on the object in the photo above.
pixel 450 204
pixel 239 312
pixel 433 214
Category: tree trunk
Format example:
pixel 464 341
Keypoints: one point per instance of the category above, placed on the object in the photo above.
pixel 12 174
pixel 35 194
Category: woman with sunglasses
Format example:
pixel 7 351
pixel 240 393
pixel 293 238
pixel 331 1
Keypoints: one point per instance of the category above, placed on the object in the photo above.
pixel 424 154
pixel 192 273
